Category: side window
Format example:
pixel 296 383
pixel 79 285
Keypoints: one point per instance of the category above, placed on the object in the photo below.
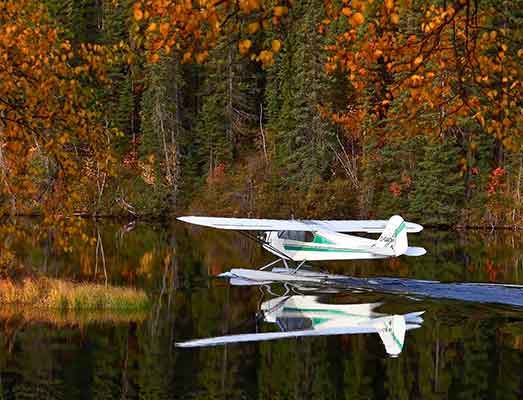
pixel 300 236
pixel 309 237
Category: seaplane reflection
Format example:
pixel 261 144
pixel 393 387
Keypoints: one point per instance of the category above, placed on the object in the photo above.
pixel 299 315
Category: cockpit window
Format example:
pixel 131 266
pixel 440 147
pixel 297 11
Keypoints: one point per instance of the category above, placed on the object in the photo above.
pixel 300 236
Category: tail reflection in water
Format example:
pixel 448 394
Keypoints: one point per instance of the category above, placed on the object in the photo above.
pixel 300 315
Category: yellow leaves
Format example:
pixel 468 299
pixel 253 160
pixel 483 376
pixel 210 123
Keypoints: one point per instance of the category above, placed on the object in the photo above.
pixel 187 57
pixel 280 11
pixel 389 4
pixel 164 29
pixel 154 58
pixel 266 57
pixel 479 117
pixel 493 35
pixel 395 19
pixel 253 27
pixel 201 57
pixel 276 46
pixel 151 27
pixel 346 11
pixel 330 68
pixel 137 12
pixel 520 53
pixel 418 60
pixel 244 46
pixel 357 19
pixel 248 6
pixel 416 80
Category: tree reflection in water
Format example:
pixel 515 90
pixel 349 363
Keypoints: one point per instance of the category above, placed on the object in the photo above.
pixel 463 349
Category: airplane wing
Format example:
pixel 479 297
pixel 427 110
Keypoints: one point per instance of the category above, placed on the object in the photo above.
pixel 391 330
pixel 249 224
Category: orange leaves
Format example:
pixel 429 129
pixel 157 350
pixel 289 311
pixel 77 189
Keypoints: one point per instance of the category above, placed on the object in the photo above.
pixel 137 12
pixel 346 11
pixel 201 57
pixel 253 27
pixel 266 57
pixel 276 45
pixel 164 29
pixel 244 46
pixel 187 57
pixel 395 19
pixel 357 19
pixel 49 109
pixel 280 11
pixel 412 75
pixel 190 26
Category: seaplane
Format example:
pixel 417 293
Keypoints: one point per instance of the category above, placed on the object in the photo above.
pixel 299 241
pixel 300 316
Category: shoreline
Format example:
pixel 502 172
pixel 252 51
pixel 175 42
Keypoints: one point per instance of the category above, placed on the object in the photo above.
pixel 167 219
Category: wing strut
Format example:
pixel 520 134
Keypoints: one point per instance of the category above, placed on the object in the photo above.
pixel 283 256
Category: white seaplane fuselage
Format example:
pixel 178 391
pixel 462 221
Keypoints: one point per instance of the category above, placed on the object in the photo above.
pixel 322 245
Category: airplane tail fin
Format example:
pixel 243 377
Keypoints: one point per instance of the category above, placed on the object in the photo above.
pixel 394 237
pixel 392 333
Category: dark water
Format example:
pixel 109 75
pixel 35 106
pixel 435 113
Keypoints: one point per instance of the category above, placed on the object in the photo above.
pixel 464 349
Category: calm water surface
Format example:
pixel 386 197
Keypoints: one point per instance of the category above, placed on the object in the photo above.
pixel 463 349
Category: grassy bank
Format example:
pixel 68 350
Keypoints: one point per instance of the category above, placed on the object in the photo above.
pixel 66 295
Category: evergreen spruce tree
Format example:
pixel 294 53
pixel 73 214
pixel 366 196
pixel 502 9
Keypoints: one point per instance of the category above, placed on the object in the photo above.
pixel 439 187
pixel 296 86
pixel 227 113
pixel 388 175
pixel 161 130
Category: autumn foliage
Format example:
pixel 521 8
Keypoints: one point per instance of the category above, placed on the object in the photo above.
pixel 422 67
pixel 325 94
pixel 50 123
pixel 196 27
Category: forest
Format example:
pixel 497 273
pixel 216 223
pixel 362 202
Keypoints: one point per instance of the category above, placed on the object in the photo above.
pixel 266 108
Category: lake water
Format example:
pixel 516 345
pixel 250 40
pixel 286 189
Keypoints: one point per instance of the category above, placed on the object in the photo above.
pixel 469 345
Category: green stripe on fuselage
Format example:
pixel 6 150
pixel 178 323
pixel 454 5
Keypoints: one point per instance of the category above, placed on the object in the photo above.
pixel 322 249
pixel 321 240
pixel 322 310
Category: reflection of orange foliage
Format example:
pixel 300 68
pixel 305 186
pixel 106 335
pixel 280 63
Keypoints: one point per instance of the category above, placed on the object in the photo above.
pixel 216 268
pixel 492 270
pixel 146 263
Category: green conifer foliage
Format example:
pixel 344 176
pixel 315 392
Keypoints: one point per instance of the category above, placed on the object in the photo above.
pixel 439 188
pixel 388 176
pixel 161 129
pixel 297 85
pixel 227 115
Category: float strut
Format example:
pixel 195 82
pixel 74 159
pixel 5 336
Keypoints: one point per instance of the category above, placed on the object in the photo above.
pixel 270 264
